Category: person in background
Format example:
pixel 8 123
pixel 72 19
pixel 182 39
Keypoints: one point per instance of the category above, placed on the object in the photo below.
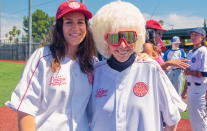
pixel 196 77
pixel 154 44
pixel 55 86
pixel 127 94
pixel 175 74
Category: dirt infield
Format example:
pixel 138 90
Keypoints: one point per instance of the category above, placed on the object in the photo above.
pixel 15 61
pixel 8 121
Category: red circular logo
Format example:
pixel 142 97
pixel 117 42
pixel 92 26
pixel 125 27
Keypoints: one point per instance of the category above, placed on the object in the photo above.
pixel 140 89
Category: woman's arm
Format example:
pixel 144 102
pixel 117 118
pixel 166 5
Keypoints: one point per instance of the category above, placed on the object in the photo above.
pixel 193 73
pixel 26 122
pixel 178 63
pixel 171 128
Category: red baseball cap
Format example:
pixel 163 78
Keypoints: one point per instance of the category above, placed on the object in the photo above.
pixel 72 6
pixel 154 25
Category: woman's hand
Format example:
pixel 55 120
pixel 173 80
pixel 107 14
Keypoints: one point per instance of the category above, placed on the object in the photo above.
pixel 178 63
pixel 142 56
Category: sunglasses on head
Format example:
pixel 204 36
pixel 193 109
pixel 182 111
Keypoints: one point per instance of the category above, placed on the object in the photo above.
pixel 115 39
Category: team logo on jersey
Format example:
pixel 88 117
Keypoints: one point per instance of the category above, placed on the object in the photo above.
pixel 193 60
pixel 90 78
pixel 57 81
pixel 101 92
pixel 140 89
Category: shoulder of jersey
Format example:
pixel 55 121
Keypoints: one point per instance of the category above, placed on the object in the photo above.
pixel 203 48
pixel 43 52
pixel 99 64
pixel 149 61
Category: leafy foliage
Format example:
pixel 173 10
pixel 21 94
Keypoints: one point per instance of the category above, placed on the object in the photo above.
pixel 41 24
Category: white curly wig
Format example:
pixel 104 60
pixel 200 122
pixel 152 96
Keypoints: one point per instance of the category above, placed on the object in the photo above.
pixel 114 16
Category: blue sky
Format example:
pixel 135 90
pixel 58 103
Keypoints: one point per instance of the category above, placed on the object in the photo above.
pixel 174 13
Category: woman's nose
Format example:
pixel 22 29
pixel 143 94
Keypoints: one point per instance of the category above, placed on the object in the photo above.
pixel 123 45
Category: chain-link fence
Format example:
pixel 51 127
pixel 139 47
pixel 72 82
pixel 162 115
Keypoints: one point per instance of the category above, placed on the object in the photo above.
pixel 16 51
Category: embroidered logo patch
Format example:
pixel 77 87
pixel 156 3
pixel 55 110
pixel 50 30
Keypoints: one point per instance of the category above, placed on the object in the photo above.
pixel 74 5
pixel 101 92
pixel 193 60
pixel 57 81
pixel 140 89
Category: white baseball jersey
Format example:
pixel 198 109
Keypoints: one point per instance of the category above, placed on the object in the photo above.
pixel 198 62
pixel 132 100
pixel 57 100
pixel 171 54
pixel 197 89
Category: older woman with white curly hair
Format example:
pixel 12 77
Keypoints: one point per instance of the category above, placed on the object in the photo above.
pixel 127 94
pixel 111 18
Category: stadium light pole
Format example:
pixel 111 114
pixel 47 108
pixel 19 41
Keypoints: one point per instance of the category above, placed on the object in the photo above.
pixel 30 28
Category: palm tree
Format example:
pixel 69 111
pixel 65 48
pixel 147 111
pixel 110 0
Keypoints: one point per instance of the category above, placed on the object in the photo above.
pixel 18 32
pixel 161 22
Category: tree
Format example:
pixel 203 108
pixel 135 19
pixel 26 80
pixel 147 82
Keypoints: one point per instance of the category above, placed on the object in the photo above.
pixel 13 34
pixel 41 24
pixel 161 22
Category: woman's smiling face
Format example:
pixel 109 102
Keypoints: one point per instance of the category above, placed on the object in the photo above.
pixel 74 28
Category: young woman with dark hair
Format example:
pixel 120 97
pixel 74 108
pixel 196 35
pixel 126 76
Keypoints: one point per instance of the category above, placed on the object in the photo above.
pixel 55 86
pixel 154 43
pixel 85 52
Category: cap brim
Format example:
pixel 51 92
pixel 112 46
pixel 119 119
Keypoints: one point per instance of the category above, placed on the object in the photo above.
pixel 163 30
pixel 155 27
pixel 196 32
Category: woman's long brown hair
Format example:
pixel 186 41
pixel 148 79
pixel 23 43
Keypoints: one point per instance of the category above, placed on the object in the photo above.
pixel 85 53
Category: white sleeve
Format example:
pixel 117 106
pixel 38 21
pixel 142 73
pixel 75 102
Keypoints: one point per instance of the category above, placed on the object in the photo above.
pixel 176 99
pixel 204 61
pixel 169 100
pixel 26 96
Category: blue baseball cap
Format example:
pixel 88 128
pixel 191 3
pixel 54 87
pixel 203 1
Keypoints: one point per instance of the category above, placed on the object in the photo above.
pixel 175 40
pixel 198 30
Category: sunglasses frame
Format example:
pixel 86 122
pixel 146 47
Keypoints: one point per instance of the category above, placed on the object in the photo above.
pixel 121 39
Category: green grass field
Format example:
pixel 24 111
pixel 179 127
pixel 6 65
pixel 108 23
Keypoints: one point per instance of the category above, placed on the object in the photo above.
pixel 10 74
pixel 185 115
